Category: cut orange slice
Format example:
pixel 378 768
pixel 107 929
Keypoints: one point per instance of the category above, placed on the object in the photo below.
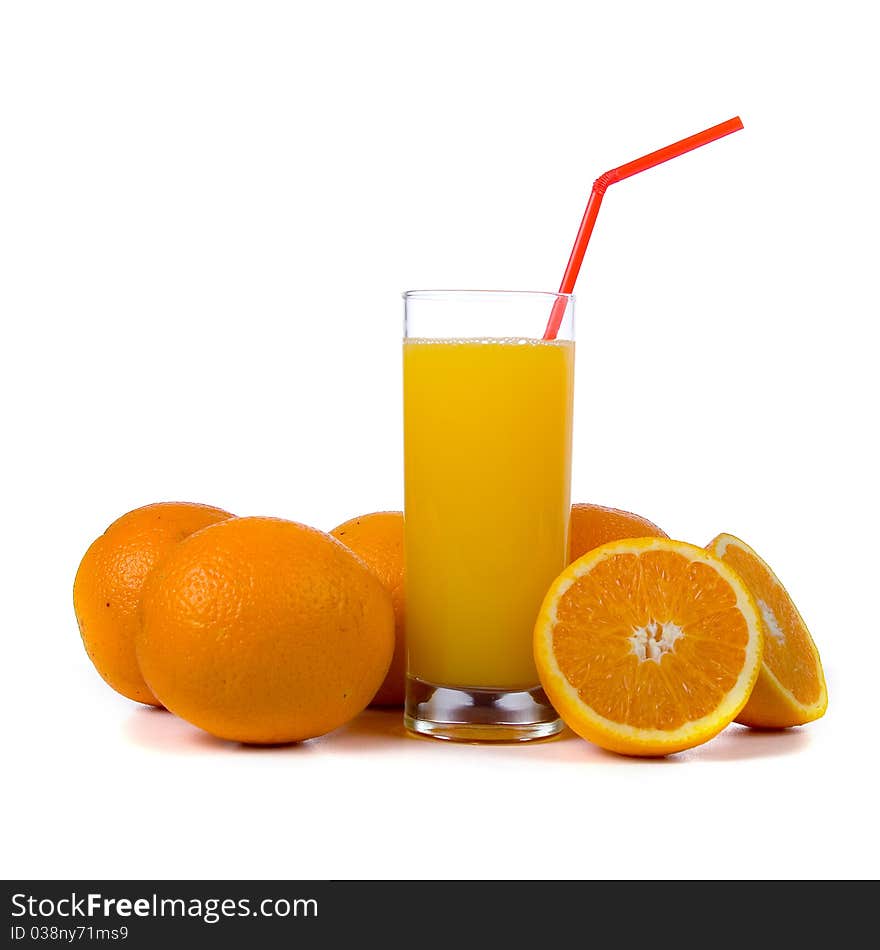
pixel 648 646
pixel 790 690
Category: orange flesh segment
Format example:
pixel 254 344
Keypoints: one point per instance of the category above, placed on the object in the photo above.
pixel 593 639
pixel 788 651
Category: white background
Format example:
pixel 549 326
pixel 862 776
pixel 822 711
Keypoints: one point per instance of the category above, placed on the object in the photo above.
pixel 208 211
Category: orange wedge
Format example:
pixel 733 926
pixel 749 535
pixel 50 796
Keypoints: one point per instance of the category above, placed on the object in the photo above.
pixel 790 690
pixel 648 646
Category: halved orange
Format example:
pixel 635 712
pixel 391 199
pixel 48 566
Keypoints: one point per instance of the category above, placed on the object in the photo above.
pixel 790 690
pixel 648 646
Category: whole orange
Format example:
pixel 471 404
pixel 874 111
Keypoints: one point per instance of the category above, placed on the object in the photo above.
pixel 592 525
pixel 265 631
pixel 110 579
pixel 378 539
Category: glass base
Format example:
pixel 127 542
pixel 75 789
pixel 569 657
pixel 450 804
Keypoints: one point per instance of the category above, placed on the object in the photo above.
pixel 478 715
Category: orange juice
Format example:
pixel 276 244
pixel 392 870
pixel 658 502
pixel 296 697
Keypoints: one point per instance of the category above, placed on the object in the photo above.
pixel 487 436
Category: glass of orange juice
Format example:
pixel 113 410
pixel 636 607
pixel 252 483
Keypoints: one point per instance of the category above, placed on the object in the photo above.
pixel 487 465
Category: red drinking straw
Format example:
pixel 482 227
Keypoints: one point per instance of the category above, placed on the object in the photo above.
pixel 569 278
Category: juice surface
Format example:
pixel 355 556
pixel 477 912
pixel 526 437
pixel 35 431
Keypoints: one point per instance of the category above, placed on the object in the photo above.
pixel 487 446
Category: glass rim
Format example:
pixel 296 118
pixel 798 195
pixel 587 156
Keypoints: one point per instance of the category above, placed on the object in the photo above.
pixel 441 293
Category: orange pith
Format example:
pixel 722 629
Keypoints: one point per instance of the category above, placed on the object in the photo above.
pixel 648 646
pixel 791 688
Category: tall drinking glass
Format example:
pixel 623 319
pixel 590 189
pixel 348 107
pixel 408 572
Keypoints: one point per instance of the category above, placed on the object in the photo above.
pixel 487 448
